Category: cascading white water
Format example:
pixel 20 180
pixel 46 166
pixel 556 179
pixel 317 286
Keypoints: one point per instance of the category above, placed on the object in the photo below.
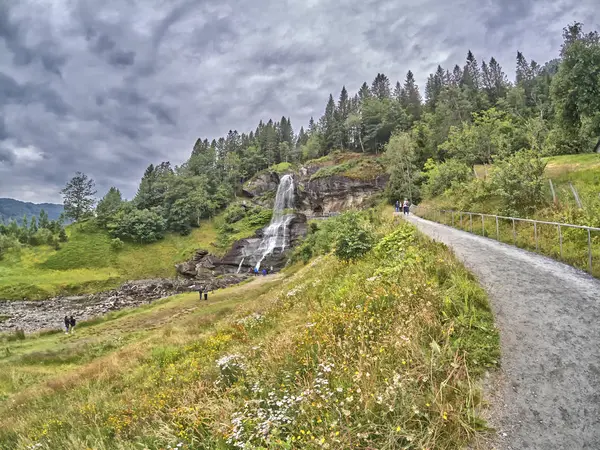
pixel 240 266
pixel 275 235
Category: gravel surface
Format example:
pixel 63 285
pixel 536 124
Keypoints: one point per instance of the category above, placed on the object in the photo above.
pixel 547 393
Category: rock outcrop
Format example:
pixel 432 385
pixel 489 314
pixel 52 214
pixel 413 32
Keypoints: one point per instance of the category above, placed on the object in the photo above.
pixel 48 314
pixel 337 193
pixel 242 257
pixel 322 195
pixel 38 315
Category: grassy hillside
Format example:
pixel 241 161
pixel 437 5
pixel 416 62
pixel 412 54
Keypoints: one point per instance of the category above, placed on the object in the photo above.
pixel 582 171
pixel 87 262
pixel 327 355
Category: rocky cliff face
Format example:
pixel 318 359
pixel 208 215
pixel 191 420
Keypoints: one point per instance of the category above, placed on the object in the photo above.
pixel 315 195
pixel 337 193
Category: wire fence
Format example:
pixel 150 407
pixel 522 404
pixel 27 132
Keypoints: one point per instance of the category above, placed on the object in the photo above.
pixel 577 245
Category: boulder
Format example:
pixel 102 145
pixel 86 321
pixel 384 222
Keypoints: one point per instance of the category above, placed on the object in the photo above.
pixel 261 184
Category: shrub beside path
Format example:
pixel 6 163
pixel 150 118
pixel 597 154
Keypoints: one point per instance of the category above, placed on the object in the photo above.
pixel 547 394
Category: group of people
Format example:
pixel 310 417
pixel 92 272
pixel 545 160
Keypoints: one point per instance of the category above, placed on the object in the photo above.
pixel 70 323
pixel 405 206
pixel 203 291
pixel 264 271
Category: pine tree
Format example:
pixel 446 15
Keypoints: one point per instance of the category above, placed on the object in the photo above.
pixel 44 221
pixel 523 71
pixel 381 87
pixel 435 84
pixel 62 235
pixel 108 206
pixel 343 110
pixel 302 138
pixel 312 127
pixel 411 97
pixel 154 184
pixel 498 82
pixel 457 75
pixel 471 73
pixel 397 92
pixel 78 196
pixel 330 125
pixel 364 93
pixel 33 227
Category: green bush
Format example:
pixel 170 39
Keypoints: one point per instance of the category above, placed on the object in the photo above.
pixel 42 236
pixel 441 177
pixel 7 243
pixel 116 244
pixel 348 235
pixel 234 213
pixel 354 242
pixel 138 226
pixel 519 181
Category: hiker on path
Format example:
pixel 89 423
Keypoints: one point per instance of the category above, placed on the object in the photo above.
pixel 406 206
pixel 67 325
pixel 72 322
pixel 397 206
pixel 206 294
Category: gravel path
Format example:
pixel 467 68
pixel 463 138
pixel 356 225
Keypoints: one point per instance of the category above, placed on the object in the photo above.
pixel 547 394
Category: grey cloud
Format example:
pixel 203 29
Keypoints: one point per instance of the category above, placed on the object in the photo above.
pixel 6 156
pixel 13 92
pixel 3 131
pixel 121 58
pixel 103 44
pixel 110 87
pixel 13 32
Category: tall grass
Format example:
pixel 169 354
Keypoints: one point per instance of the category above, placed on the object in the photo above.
pixel 382 353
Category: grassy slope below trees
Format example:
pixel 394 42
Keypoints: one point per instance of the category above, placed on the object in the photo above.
pixel 88 262
pixel 323 355
pixel 583 171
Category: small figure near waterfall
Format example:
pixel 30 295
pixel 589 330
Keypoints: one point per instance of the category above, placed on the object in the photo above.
pixel 72 323
pixel 67 325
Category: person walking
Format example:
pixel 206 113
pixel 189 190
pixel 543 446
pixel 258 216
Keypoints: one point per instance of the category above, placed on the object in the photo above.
pixel 397 205
pixel 406 206
pixel 72 322
pixel 206 294
pixel 67 325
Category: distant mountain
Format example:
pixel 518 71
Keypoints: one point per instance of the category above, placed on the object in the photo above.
pixel 15 209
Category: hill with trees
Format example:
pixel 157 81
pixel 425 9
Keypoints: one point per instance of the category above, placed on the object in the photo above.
pixel 11 209
pixel 472 114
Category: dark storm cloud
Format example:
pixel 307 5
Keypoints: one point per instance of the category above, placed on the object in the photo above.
pixel 110 87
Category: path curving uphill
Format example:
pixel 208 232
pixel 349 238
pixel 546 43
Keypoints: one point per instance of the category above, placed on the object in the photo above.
pixel 548 390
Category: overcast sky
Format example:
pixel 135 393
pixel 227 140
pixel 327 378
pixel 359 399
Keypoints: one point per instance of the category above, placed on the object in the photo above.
pixel 108 87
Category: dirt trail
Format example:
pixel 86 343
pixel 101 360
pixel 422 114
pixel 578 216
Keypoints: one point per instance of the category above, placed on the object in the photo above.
pixel 547 395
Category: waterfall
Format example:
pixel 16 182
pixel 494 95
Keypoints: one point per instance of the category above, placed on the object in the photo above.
pixel 275 234
pixel 240 266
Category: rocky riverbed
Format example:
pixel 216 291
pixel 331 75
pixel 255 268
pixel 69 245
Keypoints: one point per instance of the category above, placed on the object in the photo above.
pixel 32 316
